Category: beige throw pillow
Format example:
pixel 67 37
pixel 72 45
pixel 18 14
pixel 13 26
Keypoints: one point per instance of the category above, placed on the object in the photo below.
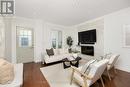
pixel 6 72
pixel 86 68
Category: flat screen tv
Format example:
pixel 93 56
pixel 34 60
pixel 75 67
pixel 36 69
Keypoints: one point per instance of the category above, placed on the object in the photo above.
pixel 87 37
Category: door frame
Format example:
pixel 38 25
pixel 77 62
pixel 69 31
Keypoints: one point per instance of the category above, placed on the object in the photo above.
pixel 13 45
pixel 32 41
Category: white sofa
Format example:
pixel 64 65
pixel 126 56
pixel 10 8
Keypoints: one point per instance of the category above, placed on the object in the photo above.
pixel 18 79
pixel 59 54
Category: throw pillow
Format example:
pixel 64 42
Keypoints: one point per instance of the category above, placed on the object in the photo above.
pixel 86 68
pixel 6 72
pixel 50 52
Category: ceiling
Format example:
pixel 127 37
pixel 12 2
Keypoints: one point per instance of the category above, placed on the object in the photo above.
pixel 67 12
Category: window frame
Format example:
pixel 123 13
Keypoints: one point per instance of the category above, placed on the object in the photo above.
pixel 30 41
pixel 57 42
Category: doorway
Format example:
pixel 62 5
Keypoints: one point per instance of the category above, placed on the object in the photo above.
pixel 24 44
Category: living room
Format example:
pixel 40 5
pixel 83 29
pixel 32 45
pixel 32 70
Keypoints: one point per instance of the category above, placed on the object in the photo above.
pixel 50 24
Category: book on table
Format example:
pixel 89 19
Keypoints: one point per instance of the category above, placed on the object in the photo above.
pixel 71 58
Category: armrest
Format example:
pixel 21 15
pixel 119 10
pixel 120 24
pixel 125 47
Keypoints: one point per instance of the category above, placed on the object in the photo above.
pixel 82 74
pixel 46 56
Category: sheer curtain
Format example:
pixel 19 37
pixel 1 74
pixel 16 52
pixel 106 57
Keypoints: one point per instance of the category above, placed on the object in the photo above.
pixel 56 39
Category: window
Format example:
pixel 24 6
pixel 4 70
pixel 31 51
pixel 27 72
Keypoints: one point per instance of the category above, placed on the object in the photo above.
pixel 24 38
pixel 126 36
pixel 56 38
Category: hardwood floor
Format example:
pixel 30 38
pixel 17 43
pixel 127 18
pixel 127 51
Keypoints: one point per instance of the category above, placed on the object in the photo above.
pixel 34 78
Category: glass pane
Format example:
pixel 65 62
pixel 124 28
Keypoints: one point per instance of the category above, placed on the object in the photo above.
pixel 54 43
pixel 24 41
pixel 59 39
pixel 56 37
pixel 30 37
pixel 30 41
pixel 24 37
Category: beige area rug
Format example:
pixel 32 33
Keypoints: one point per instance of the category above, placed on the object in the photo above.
pixel 57 76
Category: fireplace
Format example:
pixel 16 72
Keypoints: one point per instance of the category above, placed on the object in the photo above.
pixel 88 50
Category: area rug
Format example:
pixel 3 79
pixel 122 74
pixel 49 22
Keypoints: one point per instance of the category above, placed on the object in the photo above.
pixel 57 76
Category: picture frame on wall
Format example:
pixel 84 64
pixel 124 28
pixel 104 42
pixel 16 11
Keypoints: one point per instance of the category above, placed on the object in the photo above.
pixel 126 36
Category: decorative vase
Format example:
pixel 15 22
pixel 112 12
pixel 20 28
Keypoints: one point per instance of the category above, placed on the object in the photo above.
pixel 70 50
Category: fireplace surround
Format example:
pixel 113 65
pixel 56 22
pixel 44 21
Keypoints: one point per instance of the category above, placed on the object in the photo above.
pixel 87 50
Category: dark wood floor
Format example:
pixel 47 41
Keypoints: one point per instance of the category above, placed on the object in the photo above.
pixel 34 78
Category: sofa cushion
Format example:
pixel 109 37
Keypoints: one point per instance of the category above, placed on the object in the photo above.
pixel 63 51
pixel 56 52
pixel 6 72
pixel 50 52
pixel 62 56
pixel 66 51
pixel 59 54
pixel 57 58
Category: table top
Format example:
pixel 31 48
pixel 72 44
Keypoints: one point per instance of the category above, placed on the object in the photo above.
pixel 74 59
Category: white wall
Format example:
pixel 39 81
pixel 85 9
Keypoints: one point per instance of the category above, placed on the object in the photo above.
pixel 8 39
pixel 42 35
pixel 2 38
pixel 110 35
pixel 23 22
pixel 73 32
pixel 97 24
pixel 10 34
pixel 47 34
pixel 113 37
pixel 38 45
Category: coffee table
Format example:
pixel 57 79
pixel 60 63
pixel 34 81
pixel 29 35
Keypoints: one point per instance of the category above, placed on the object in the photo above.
pixel 68 62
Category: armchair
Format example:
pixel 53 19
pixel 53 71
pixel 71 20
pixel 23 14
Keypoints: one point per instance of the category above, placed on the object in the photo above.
pixel 112 61
pixel 86 80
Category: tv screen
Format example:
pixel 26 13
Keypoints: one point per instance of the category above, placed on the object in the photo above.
pixel 87 37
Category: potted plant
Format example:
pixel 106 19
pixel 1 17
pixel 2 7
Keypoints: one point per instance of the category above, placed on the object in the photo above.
pixel 69 43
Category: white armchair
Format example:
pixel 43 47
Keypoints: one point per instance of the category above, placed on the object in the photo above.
pixel 18 78
pixel 112 61
pixel 86 80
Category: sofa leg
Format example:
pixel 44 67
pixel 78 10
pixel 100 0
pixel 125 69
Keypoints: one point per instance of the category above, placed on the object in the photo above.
pixel 44 63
